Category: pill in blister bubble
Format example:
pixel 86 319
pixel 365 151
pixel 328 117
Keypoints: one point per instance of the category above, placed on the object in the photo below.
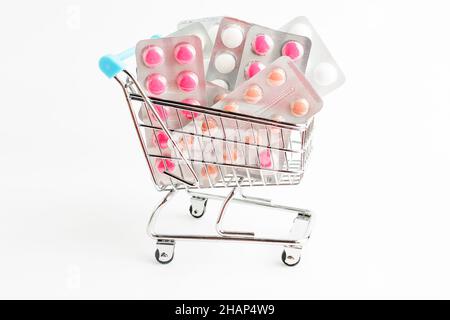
pixel 299 107
pixel 264 159
pixel 231 155
pixel 161 165
pixel 253 94
pixel 276 77
pixel 292 49
pixel 262 44
pixel 209 127
pixel 153 56
pixel 161 140
pixel 162 111
pixel 231 106
pixel 225 62
pixel 186 141
pixel 184 53
pixel 209 170
pixel 156 83
pixel 253 68
pixel 187 81
pixel 232 36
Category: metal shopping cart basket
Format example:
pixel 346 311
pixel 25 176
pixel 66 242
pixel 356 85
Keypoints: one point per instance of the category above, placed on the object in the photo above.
pixel 214 162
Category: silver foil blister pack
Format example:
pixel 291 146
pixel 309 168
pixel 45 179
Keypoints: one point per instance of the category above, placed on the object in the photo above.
pixel 264 45
pixel 279 92
pixel 227 52
pixel 322 71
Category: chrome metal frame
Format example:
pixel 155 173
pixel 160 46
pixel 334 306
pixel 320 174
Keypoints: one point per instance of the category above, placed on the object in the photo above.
pixel 234 176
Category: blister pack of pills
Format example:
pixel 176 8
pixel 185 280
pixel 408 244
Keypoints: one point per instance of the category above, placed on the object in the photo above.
pixel 264 45
pixel 172 68
pixel 279 92
pixel 227 52
pixel 322 70
pixel 210 24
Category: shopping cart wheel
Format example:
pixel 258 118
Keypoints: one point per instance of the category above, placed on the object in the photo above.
pixel 164 251
pixel 291 256
pixel 198 207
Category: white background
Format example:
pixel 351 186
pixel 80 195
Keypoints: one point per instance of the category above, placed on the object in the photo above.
pixel 75 193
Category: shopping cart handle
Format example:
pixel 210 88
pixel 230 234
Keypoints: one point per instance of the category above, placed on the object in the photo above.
pixel 112 64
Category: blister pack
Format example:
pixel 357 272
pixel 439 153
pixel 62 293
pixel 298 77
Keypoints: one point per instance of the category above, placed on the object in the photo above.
pixel 264 45
pixel 210 24
pixel 280 92
pixel 172 68
pixel 227 52
pixel 197 29
pixel 322 71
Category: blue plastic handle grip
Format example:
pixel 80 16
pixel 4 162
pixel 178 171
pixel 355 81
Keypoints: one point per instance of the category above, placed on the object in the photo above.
pixel 112 64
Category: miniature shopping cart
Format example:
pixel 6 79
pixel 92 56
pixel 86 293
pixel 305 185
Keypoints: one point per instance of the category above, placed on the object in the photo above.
pixel 182 170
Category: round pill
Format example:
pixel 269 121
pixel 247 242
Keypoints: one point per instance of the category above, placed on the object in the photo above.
pixel 185 141
pixel 184 53
pixel 232 36
pixel 189 114
pixel 230 155
pixel 210 171
pixel 187 81
pixel 162 164
pixel 325 74
pixel 253 94
pixel 301 29
pixel 292 49
pixel 209 126
pixel 161 139
pixel 152 56
pixel 253 68
pixel 299 107
pixel 276 77
pixel 264 159
pixel 262 44
pixel 219 97
pixel 221 83
pixel 156 83
pixel 225 62
pixel 231 106
pixel 250 139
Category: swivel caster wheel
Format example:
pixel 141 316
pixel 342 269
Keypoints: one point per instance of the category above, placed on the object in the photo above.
pixel 291 256
pixel 164 251
pixel 198 207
